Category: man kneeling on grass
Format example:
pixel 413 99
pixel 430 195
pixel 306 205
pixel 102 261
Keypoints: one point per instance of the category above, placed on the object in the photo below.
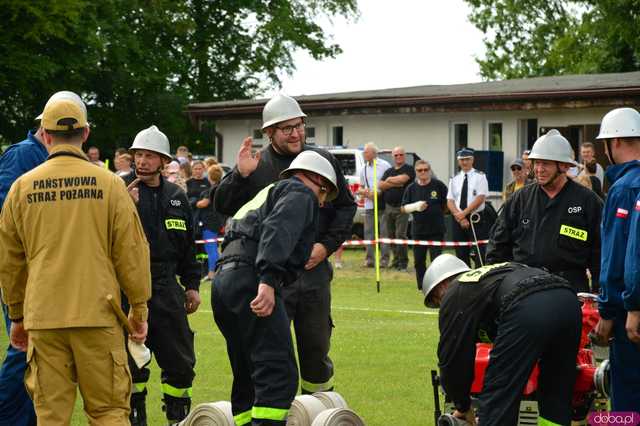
pixel 528 314
pixel 266 247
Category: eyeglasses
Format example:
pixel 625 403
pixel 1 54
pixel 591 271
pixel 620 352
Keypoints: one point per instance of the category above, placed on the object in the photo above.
pixel 287 130
pixel 422 170
pixel 514 168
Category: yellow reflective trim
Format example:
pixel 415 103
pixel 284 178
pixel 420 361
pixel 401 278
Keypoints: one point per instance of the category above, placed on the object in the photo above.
pixel 269 413
pixel 316 387
pixel 255 202
pixel 176 392
pixel 476 275
pixel 571 232
pixel 178 224
pixel 544 422
pixel 483 336
pixel 242 418
pixel 139 387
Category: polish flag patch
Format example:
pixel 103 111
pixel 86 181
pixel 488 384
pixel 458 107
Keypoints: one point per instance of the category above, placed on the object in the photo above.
pixel 638 205
pixel 622 213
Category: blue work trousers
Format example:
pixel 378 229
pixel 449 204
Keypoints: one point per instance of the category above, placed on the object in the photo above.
pixel 16 408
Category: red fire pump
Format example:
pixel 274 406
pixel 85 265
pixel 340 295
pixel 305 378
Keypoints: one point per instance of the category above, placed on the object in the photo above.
pixel 591 387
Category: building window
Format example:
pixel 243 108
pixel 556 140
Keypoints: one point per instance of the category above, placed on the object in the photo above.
pixel 336 136
pixel 460 136
pixel 310 132
pixel 495 136
pixel 257 134
pixel 310 135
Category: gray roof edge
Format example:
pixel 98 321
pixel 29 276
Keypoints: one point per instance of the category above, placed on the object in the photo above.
pixel 561 83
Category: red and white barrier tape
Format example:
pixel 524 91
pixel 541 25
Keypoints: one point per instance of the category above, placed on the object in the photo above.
pixel 388 241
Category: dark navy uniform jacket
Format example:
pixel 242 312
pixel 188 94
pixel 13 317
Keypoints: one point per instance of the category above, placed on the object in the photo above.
pixel 560 234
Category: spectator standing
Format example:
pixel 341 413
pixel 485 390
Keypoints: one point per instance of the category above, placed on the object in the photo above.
pixel 619 301
pixel 520 179
pixel 210 161
pixel 211 220
pixel 308 299
pixel 587 178
pixel 197 184
pixel 94 156
pixel 394 181
pixel 426 200
pixel 553 223
pixel 528 168
pixel 167 221
pixel 123 164
pixel 588 155
pixel 55 292
pixel 117 153
pixel 467 192
pixel 370 154
pixel 172 173
pixel 182 154
pixel 185 170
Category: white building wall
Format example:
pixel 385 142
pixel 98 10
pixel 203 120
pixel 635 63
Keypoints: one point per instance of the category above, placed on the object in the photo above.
pixel 427 134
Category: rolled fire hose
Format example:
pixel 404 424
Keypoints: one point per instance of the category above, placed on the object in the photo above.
pixel 331 399
pixel 304 409
pixel 210 414
pixel 338 417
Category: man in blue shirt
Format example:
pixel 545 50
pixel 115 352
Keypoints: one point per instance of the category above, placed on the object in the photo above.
pixel 618 303
pixel 16 407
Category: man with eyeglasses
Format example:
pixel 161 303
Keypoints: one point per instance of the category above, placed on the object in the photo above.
pixel 394 181
pixel 426 200
pixel 520 179
pixel 308 299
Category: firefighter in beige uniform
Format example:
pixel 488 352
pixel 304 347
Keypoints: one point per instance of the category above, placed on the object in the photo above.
pixel 70 236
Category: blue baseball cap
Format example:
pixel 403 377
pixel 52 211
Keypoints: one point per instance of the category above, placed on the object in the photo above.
pixel 465 153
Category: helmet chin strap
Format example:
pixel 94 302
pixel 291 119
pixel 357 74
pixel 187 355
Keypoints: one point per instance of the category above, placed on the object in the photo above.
pixel 148 174
pixel 609 151
pixel 556 175
pixel 317 181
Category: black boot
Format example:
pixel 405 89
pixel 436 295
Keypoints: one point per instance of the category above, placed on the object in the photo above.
pixel 138 415
pixel 176 409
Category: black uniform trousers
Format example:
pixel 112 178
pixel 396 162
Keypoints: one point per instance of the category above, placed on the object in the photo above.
pixel 543 326
pixel 260 349
pixel 464 253
pixel 169 338
pixel 420 254
pixel 308 304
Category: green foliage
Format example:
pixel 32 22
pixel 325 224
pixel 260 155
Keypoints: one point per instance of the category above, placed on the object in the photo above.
pixel 526 38
pixel 139 62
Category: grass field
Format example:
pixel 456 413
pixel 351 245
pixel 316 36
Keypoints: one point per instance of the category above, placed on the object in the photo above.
pixel 383 347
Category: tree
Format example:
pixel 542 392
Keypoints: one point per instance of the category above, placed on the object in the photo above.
pixel 139 62
pixel 526 38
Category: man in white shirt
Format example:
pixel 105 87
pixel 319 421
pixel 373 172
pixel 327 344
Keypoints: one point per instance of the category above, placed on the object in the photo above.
pixel 370 155
pixel 467 192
